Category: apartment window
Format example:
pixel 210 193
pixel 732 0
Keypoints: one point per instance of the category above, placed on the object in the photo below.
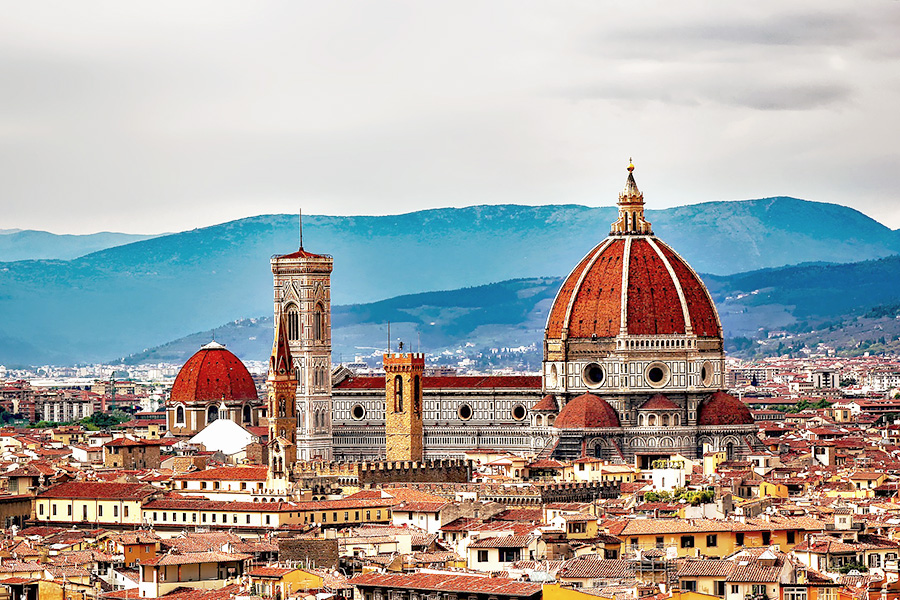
pixel 213 517
pixel 269 519
pixel 346 515
pixel 795 593
pixel 368 515
pixel 99 510
pixel 243 485
pixel 791 537
pixel 719 588
pixel 324 517
pixel 202 485
pixel 154 517
pixel 759 589
pixel 41 509
pixel 334 517
pixel 356 515
pixel 193 517
pixel 378 514
pixel 688 585
pixel 248 519
pixel 827 593
pixel 734 589
pixel 203 518
pixel 687 541
pixel 510 554
pixel 712 540
pixel 69 510
pixel 216 485
pixel 125 511
pixel 634 542
pixel 164 516
pixel 482 556
pixel 234 519
pixel 659 541
pixel 767 538
pixel 115 511
pixel 739 540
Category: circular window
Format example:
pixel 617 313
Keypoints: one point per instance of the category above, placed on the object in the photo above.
pixel 358 412
pixel 657 374
pixel 465 412
pixel 518 412
pixel 706 374
pixel 593 375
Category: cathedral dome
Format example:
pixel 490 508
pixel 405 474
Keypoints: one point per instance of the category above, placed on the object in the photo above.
pixel 633 284
pixel 587 411
pixel 723 409
pixel 213 374
pixel 663 295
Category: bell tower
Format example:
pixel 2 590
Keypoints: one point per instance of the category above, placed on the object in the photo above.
pixel 282 406
pixel 404 433
pixel 302 285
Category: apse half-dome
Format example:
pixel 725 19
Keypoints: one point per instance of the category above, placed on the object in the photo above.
pixel 213 374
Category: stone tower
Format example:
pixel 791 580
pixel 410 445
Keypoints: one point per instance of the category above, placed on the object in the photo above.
pixel 282 407
pixel 404 434
pixel 302 282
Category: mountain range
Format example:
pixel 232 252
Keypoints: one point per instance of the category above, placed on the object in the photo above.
pixel 121 300
pixel 839 304
pixel 18 244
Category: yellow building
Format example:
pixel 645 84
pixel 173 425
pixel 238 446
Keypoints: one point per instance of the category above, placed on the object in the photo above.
pixel 179 512
pixel 703 537
pixel 556 591
pixel 97 503
pixel 404 433
pixel 282 582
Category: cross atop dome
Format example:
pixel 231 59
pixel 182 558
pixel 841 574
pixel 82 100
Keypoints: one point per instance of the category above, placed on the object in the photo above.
pixel 631 209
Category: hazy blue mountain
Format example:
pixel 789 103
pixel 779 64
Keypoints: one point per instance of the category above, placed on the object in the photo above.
pixel 17 244
pixel 840 304
pixel 119 300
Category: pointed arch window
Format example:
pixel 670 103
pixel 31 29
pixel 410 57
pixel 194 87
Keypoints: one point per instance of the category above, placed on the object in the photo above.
pixel 319 322
pixel 293 322
pixel 398 393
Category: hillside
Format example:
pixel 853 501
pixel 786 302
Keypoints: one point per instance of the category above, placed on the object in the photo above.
pixel 119 300
pixel 853 307
pixel 17 244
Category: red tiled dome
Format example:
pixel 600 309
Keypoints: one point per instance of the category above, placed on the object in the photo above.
pixel 663 294
pixel 659 402
pixel 723 409
pixel 587 410
pixel 546 404
pixel 213 373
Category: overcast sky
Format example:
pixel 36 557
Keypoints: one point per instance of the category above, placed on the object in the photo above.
pixel 163 116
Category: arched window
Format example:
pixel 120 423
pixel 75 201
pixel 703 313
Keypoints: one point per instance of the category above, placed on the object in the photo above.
pixel 398 393
pixel 319 322
pixel 212 413
pixel 651 420
pixel 247 415
pixel 634 222
pixel 665 420
pixel 179 415
pixel 417 395
pixel 293 322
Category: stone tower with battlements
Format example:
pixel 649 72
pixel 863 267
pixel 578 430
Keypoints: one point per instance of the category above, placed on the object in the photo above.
pixel 282 407
pixel 302 282
pixel 404 434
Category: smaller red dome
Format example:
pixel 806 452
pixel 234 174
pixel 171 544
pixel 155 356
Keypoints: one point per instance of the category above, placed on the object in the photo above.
pixel 213 374
pixel 587 411
pixel 546 404
pixel 659 402
pixel 723 409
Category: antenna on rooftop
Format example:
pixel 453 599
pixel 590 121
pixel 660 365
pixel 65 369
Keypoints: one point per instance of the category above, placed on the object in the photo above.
pixel 300 224
pixel 389 338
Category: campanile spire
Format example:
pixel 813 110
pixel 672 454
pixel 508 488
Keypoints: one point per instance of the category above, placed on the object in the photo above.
pixel 631 209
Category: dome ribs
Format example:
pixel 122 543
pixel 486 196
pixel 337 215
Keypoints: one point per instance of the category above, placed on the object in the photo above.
pixel 704 318
pixel 654 306
pixel 597 304
pixel 555 322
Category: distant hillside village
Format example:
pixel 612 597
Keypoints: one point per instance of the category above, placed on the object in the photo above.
pixel 640 463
